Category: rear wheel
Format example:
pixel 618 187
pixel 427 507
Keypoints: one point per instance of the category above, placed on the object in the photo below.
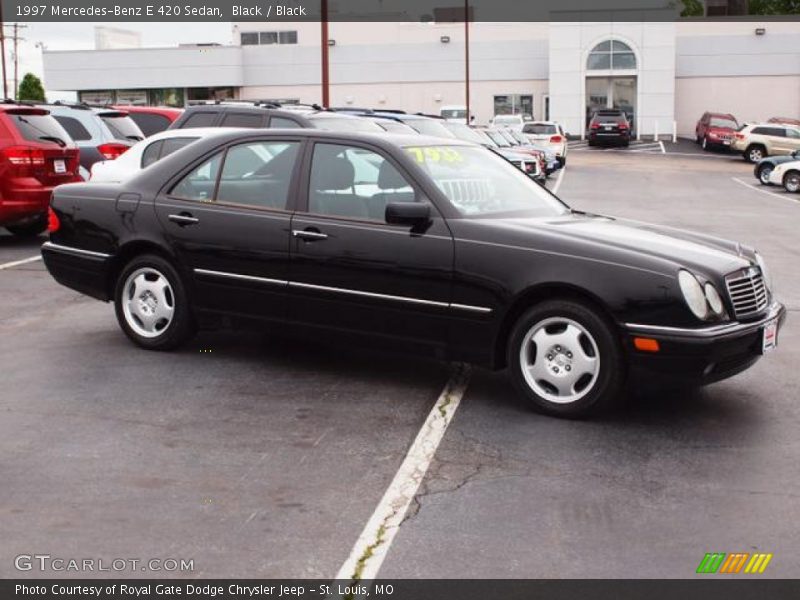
pixel 755 153
pixel 30 229
pixel 764 172
pixel 565 359
pixel 791 181
pixel 152 305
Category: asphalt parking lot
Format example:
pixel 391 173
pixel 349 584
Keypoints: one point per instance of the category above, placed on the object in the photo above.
pixel 260 457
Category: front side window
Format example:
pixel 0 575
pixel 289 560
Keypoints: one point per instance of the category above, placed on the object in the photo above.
pixel 353 182
pixel 478 182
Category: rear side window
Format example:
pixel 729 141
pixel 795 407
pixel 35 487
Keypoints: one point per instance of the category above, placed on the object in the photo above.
pixel 773 131
pixel 122 128
pixel 199 119
pixel 163 148
pixel 242 120
pixel 258 174
pixel 150 123
pixel 281 123
pixel 38 127
pixel 74 128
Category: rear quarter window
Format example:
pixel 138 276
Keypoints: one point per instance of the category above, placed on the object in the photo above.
pixel 242 120
pixel 122 128
pixel 74 128
pixel 199 119
pixel 150 123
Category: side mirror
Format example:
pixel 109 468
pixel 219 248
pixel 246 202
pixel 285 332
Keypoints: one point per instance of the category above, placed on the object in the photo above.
pixel 407 213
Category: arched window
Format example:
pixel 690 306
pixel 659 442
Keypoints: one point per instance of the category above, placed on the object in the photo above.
pixel 611 54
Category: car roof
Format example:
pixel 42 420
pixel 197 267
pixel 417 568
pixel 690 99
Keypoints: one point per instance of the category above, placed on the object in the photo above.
pixel 383 139
pixel 200 132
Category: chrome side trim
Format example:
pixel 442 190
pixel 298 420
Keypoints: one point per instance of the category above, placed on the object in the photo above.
pixel 325 288
pixel 241 277
pixel 363 294
pixel 775 310
pixel 71 250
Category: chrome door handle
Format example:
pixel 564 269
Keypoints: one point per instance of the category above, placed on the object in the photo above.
pixel 310 236
pixel 184 219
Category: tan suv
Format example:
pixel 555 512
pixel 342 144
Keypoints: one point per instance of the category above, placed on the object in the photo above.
pixel 758 140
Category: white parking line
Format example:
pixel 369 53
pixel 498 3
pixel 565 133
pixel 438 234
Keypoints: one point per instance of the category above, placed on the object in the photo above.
pixel 768 193
pixel 370 550
pixel 559 179
pixel 17 263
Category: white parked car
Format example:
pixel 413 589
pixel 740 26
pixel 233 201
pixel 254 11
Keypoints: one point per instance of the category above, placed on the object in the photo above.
pixel 146 152
pixel 514 122
pixel 455 113
pixel 787 175
pixel 550 135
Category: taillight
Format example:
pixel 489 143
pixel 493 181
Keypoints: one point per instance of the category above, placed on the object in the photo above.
pixel 556 139
pixel 595 125
pixel 53 224
pixel 112 151
pixel 24 156
pixel 623 126
pixel 739 136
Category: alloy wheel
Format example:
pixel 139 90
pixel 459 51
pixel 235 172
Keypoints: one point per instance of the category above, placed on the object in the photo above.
pixel 148 302
pixel 560 360
pixel 792 183
pixel 764 173
pixel 756 154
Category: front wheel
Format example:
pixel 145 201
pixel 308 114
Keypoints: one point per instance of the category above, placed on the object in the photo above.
pixel 763 174
pixel 564 357
pixel 152 305
pixel 791 181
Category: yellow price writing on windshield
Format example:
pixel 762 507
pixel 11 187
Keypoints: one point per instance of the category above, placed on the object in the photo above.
pixel 435 154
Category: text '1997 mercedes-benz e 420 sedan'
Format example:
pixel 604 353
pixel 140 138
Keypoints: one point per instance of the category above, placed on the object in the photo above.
pixel 418 244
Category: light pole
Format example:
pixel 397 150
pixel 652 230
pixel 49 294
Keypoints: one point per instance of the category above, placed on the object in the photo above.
pixel 325 52
pixel 466 56
pixel 3 51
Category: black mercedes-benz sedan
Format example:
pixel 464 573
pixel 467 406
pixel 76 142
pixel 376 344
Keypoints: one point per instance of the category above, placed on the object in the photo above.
pixel 419 244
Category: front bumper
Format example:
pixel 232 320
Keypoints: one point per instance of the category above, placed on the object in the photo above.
pixel 702 355
pixel 776 177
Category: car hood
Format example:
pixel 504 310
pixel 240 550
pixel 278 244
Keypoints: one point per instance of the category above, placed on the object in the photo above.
pixel 668 246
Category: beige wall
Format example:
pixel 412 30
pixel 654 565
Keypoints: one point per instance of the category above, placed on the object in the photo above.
pixel 412 97
pixel 747 98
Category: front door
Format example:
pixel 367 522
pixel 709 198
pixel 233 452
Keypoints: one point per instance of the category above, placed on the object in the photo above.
pixel 227 221
pixel 350 270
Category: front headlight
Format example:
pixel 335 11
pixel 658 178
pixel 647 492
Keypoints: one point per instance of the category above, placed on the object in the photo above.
pixel 764 272
pixel 714 300
pixel 693 294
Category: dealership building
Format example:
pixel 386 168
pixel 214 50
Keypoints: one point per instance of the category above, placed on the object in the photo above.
pixel 665 74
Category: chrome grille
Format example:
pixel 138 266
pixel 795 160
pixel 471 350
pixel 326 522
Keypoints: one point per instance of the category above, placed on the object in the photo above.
pixel 747 292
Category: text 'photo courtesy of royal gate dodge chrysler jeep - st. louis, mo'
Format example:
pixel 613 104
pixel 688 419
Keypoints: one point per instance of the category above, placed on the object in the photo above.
pixel 425 245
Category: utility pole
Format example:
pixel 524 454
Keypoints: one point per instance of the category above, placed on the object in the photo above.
pixel 3 52
pixel 17 39
pixel 466 56
pixel 325 54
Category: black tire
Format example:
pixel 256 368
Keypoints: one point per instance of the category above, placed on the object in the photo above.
pixel 180 328
pixel 30 229
pixel 562 160
pixel 763 174
pixel 605 390
pixel 791 182
pixel 754 153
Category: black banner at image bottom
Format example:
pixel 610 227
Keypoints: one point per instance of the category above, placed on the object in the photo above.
pixel 711 588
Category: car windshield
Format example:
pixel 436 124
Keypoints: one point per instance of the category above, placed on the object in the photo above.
pixel 507 120
pixel 519 137
pixel 429 127
pixel 454 113
pixel 539 129
pixel 351 124
pixel 722 122
pixel 478 182
pixel 485 139
pixel 465 133
pixel 497 138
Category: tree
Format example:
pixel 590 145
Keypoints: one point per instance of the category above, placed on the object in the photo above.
pixel 30 88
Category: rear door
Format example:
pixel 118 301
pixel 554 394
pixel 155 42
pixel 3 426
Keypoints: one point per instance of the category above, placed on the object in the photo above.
pixel 227 217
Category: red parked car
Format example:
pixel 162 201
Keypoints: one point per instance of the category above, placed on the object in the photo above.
pixel 715 130
pixel 152 119
pixel 36 154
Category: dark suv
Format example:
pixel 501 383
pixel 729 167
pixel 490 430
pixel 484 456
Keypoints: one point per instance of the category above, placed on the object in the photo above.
pixel 257 115
pixel 609 127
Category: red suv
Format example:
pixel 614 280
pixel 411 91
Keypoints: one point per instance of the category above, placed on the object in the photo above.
pixel 715 130
pixel 36 154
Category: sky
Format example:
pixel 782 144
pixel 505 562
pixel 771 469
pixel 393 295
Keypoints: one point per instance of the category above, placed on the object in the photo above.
pixel 80 36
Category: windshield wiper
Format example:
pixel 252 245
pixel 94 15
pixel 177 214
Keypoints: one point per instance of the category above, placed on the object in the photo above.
pixel 52 138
